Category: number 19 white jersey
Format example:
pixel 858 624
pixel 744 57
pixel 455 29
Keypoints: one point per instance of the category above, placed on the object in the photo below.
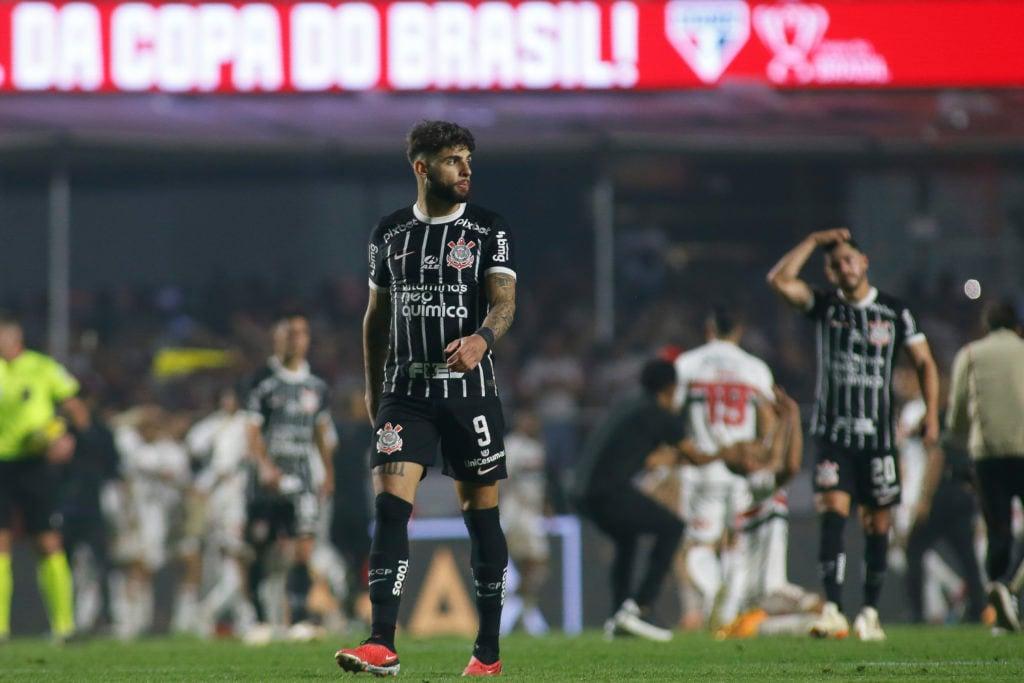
pixel 719 386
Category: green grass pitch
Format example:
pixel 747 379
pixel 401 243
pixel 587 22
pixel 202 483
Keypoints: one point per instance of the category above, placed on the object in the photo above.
pixel 962 654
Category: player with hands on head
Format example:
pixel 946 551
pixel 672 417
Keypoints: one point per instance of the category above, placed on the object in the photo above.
pixel 859 330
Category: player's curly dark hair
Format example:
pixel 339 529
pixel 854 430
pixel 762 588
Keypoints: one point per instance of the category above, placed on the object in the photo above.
pixel 430 137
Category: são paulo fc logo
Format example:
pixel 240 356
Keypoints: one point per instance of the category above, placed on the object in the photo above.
pixel 707 34
pixel 388 440
pixel 461 254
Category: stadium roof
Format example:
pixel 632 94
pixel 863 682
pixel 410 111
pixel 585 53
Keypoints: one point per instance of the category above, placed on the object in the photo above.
pixel 741 120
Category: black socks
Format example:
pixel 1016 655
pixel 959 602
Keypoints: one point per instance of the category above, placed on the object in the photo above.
pixel 489 561
pixel 389 562
pixel 831 558
pixel 876 562
pixel 297 586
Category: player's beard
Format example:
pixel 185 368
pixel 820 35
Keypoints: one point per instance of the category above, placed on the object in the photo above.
pixel 441 191
pixel 850 285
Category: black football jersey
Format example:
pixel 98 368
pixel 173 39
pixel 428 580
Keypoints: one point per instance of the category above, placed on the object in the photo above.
pixel 435 268
pixel 288 405
pixel 856 348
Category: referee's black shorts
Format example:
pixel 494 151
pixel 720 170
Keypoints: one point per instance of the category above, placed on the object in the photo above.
pixel 29 485
pixel 469 431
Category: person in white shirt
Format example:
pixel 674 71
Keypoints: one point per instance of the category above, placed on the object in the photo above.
pixel 720 388
pixel 219 440
pixel 156 470
pixel 522 516
pixel 773 605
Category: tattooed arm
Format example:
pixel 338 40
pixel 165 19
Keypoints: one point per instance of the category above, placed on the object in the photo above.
pixel 501 293
pixel 465 353
pixel 376 328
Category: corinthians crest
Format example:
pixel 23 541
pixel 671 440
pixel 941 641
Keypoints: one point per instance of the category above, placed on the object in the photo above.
pixel 461 254
pixel 388 440
pixel 827 474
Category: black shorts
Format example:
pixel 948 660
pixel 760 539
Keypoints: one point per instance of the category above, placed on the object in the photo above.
pixel 30 485
pixel 470 432
pixel 872 478
pixel 272 517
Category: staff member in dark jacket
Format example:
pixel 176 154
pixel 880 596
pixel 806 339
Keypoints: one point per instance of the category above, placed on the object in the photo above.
pixel 641 432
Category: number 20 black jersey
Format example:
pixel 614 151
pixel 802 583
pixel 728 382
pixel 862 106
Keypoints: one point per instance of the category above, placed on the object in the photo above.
pixel 434 268
pixel 857 344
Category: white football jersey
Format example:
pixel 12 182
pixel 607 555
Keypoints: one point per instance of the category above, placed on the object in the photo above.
pixel 220 439
pixel 158 471
pixel 719 387
pixel 526 483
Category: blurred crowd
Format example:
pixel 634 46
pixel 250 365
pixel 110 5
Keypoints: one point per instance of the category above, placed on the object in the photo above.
pixel 552 359
pixel 556 376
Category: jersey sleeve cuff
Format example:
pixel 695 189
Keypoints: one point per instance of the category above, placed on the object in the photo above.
pixel 500 269
pixel 375 287
pixel 915 339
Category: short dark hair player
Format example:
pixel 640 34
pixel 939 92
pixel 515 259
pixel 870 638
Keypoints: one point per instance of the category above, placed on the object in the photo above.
pixel 859 332
pixel 442 291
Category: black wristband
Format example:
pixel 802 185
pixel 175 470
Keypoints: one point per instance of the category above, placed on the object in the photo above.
pixel 488 335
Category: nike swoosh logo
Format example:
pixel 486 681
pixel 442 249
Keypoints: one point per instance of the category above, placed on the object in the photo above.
pixel 376 581
pixel 480 471
pixel 403 255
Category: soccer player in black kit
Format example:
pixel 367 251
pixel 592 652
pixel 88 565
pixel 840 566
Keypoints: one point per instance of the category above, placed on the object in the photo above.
pixel 442 291
pixel 859 331
pixel 290 425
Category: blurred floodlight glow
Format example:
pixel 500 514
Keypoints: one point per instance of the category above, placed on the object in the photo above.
pixel 972 288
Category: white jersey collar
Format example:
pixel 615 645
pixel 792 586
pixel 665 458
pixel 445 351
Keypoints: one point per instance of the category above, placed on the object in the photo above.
pixel 437 220
pixel 863 303
pixel 292 376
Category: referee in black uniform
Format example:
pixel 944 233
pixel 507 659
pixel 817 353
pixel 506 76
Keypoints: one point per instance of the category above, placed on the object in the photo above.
pixel 442 291
pixel 859 331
